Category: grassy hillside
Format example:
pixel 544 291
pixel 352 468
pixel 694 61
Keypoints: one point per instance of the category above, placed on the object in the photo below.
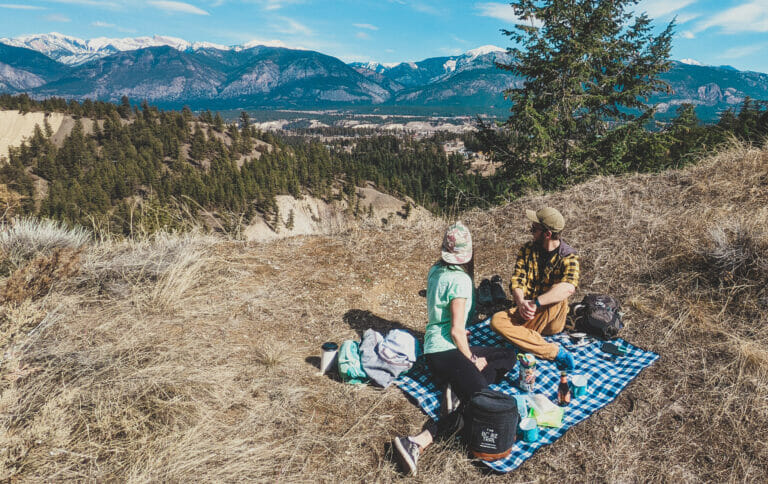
pixel 182 358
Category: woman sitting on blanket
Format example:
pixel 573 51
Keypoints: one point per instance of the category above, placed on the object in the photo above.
pixel 467 369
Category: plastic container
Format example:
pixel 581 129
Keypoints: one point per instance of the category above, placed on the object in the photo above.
pixel 529 429
pixel 579 384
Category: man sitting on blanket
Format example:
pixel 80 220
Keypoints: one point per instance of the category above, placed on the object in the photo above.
pixel 546 275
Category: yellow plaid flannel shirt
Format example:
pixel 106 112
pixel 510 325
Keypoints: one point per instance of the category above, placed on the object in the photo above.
pixel 562 267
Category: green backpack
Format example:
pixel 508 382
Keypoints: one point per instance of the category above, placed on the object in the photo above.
pixel 350 367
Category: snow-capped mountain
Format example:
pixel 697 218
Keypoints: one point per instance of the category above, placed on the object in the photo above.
pixel 438 69
pixel 264 76
pixel 483 50
pixel 74 51
pixel 377 67
pixel 174 72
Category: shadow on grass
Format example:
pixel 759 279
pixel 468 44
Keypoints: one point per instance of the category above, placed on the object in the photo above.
pixel 333 371
pixel 360 320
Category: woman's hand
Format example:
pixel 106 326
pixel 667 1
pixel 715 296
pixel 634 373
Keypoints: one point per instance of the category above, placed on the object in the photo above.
pixel 481 363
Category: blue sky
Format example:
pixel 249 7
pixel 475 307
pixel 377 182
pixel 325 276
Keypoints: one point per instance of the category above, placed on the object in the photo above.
pixel 733 32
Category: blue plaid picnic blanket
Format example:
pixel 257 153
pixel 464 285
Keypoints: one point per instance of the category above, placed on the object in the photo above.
pixel 607 376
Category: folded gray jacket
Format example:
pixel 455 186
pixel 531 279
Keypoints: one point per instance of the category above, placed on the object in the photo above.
pixel 384 358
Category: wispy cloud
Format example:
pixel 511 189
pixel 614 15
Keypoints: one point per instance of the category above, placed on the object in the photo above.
pixel 362 35
pixel 293 27
pixel 739 52
pixel 686 17
pixel 748 17
pixel 90 3
pixel 458 39
pixel 500 11
pixel 177 7
pixel 687 34
pixel 20 7
pixel 420 6
pixel 660 8
pixel 277 4
pixel 57 17
pixel 235 37
pixel 366 26
pixel 107 25
pixel 450 51
pixel 426 8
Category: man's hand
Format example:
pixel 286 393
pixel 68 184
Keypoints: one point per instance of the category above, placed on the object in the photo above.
pixel 527 309
pixel 481 363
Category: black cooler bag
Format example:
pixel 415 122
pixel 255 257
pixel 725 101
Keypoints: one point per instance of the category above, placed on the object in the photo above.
pixel 490 424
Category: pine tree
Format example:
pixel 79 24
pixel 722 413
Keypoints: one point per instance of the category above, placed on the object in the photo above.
pixel 125 107
pixel 276 217
pixel 588 66
pixel 218 123
pixel 47 127
pixel 245 123
pixel 406 210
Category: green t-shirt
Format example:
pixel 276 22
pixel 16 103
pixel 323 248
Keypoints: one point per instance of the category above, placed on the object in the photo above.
pixel 445 283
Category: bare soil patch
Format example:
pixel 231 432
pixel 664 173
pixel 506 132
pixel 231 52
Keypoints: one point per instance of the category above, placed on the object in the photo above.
pixel 15 127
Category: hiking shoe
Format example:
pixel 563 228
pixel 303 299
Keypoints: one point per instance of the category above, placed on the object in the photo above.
pixel 408 454
pixel 564 360
pixel 484 295
pixel 450 401
pixel 497 289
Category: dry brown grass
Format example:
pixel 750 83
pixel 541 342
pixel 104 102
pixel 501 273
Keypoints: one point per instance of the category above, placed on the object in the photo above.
pixel 23 238
pixel 35 279
pixel 190 358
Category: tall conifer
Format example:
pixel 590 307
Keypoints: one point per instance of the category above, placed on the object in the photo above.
pixel 589 67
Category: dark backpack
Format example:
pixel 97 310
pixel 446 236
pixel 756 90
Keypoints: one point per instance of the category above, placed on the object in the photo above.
pixel 598 315
pixel 490 424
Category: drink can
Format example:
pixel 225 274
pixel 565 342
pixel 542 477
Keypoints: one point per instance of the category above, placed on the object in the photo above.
pixel 527 377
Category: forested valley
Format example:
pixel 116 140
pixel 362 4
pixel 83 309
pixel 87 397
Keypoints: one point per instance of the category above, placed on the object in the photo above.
pixel 138 166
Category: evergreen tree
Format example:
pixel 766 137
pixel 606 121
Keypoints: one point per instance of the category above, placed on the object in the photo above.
pixel 125 107
pixel 686 133
pixel 245 122
pixel 48 128
pixel 588 66
pixel 218 123
pixel 276 216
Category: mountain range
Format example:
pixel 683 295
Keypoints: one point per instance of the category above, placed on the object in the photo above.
pixel 172 72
